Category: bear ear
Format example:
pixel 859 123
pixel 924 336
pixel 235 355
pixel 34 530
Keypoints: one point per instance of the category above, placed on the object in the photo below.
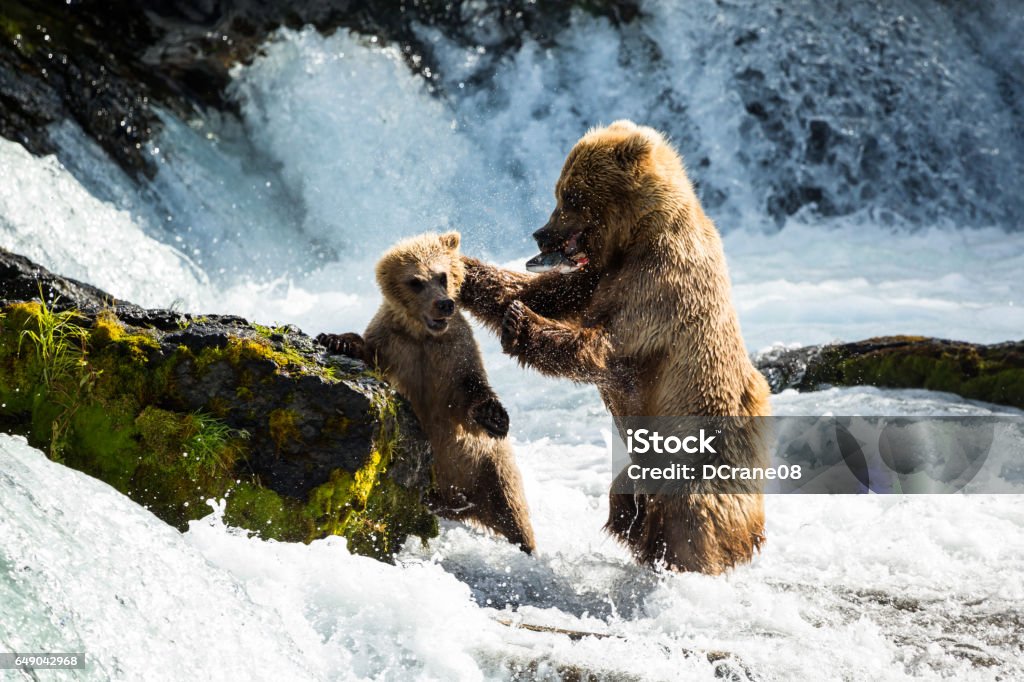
pixel 623 124
pixel 450 240
pixel 629 152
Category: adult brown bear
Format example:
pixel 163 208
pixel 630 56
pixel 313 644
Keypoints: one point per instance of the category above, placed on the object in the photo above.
pixel 640 306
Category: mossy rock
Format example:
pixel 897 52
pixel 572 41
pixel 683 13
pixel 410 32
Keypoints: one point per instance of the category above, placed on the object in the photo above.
pixel 174 410
pixel 992 373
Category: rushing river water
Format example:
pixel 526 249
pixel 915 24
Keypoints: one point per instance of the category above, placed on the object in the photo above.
pixel 839 222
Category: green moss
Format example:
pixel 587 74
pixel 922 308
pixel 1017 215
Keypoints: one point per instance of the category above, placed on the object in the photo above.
pixel 371 512
pixel 203 444
pixel 405 516
pixel 44 419
pixel 979 373
pixel 50 363
pixel 283 425
pixel 10 28
pixel 187 321
pixel 1005 388
pixel 19 371
pixel 268 514
pixel 161 431
pixel 89 397
pixel 107 329
pixel 18 316
pixel 176 492
pixel 330 504
pixel 103 442
pixel 375 497
pixel 960 374
pixel 269 332
pixel 187 459
pixel 240 350
pixel 339 424
pixel 98 397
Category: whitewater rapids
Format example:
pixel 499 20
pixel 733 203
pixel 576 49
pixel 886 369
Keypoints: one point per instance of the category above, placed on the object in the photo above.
pixel 340 150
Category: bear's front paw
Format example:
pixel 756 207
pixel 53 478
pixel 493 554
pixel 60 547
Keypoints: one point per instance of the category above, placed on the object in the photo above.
pixel 351 345
pixel 514 326
pixel 491 415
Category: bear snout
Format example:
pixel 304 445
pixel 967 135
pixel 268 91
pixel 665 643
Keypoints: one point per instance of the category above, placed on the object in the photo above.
pixel 551 236
pixel 445 306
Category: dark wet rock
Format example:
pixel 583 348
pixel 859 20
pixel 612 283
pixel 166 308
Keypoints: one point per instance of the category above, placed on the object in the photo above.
pixel 992 373
pixel 22 280
pixel 108 65
pixel 78 61
pixel 174 409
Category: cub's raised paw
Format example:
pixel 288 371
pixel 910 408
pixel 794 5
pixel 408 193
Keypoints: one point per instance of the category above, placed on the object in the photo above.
pixel 351 345
pixel 491 415
pixel 514 326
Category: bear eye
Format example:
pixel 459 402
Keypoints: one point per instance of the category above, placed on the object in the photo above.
pixel 444 281
pixel 572 201
pixel 416 284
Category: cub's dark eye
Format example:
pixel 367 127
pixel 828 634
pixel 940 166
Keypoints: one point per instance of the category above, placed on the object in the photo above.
pixel 444 281
pixel 416 285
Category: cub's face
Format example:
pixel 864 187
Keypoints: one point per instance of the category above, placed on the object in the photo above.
pixel 595 197
pixel 421 277
pixel 426 294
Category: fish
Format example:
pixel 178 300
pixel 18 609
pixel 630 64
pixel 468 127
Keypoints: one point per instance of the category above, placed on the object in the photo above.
pixel 556 261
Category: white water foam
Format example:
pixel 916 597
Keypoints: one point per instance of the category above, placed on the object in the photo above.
pixel 813 285
pixel 885 588
pixel 47 215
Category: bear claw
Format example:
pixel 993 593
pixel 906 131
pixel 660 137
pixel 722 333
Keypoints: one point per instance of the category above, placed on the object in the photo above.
pixel 513 325
pixel 350 345
pixel 491 415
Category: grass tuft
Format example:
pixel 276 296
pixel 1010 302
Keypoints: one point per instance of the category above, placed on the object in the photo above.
pixel 213 446
pixel 58 342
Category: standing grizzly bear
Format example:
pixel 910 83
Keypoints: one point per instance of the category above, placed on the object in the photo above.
pixel 425 349
pixel 636 299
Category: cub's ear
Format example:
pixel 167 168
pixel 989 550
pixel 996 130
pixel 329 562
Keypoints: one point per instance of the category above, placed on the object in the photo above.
pixel 635 147
pixel 450 240
pixel 622 124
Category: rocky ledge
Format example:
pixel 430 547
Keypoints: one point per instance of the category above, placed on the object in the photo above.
pixel 174 409
pixel 993 373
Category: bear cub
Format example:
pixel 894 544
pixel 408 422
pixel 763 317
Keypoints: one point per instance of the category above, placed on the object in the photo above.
pixel 425 348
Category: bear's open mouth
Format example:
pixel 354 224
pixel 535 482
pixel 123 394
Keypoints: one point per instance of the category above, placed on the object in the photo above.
pixel 436 324
pixel 569 258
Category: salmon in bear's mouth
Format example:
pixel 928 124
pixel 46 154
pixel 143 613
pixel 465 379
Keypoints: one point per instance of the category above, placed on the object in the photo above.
pixel 567 259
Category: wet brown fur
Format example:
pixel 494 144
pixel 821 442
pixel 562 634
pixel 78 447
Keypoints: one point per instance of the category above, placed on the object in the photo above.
pixel 442 375
pixel 651 323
